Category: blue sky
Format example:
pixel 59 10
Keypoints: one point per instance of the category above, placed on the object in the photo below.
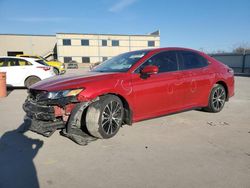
pixel 209 25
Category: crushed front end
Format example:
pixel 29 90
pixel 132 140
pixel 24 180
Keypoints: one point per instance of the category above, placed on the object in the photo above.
pixel 44 114
pixel 48 111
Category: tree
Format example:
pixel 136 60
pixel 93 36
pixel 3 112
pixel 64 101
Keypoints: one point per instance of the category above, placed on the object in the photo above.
pixel 242 49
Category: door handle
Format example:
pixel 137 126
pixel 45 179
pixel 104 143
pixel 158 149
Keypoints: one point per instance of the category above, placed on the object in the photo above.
pixel 179 76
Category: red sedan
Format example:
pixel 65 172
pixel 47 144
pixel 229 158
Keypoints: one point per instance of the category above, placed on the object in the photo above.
pixel 127 88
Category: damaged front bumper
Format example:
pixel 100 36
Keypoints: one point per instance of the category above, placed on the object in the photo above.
pixel 45 119
pixel 42 127
pixel 41 118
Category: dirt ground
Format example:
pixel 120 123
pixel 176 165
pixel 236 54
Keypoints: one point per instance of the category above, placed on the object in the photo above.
pixel 189 149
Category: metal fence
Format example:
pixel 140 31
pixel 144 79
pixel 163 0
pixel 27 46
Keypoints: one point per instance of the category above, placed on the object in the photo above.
pixel 240 63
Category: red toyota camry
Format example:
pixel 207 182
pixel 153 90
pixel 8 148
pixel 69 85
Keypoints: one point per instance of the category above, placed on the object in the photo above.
pixel 127 88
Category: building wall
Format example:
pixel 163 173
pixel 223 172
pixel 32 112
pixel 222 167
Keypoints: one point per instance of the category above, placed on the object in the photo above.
pixel 95 51
pixel 28 44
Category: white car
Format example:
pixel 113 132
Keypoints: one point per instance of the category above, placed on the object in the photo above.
pixel 22 71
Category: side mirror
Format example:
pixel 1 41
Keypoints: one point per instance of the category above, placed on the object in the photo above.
pixel 150 69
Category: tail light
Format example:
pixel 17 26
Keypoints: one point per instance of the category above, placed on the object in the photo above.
pixel 230 70
pixel 44 68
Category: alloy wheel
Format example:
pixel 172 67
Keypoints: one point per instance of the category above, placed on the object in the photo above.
pixel 111 117
pixel 219 97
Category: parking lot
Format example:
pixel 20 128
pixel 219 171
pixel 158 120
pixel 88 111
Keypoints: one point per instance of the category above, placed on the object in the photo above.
pixel 189 149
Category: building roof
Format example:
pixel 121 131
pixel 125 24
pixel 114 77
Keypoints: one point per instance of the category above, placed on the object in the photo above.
pixel 12 34
pixel 155 33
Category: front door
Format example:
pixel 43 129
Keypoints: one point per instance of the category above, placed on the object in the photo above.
pixel 159 93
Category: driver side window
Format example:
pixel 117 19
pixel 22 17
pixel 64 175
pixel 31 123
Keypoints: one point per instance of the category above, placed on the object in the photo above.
pixel 165 61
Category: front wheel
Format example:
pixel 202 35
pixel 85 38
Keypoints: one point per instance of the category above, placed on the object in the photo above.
pixel 217 99
pixel 104 117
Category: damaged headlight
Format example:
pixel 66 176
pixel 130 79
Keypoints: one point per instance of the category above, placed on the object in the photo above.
pixel 61 94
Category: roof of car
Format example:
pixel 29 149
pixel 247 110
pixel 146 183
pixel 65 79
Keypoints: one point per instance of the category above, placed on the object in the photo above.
pixel 25 58
pixel 167 48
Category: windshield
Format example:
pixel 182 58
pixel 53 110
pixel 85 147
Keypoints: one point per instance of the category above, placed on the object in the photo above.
pixel 120 63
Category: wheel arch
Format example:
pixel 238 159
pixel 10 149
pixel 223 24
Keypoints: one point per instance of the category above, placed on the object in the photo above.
pixel 225 86
pixel 128 113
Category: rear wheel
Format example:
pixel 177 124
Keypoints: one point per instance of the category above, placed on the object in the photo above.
pixel 31 80
pixel 104 117
pixel 217 99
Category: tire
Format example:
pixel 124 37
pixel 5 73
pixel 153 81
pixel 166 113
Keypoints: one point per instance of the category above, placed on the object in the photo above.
pixel 217 99
pixel 31 80
pixel 56 71
pixel 104 117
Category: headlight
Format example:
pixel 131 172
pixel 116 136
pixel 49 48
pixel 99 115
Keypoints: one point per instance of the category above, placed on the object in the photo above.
pixel 62 94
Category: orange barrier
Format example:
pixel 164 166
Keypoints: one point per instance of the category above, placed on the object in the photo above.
pixel 3 89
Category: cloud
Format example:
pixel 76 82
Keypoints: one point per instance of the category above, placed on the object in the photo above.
pixel 40 19
pixel 120 5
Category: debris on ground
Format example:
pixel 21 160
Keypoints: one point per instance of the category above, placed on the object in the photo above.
pixel 248 154
pixel 220 123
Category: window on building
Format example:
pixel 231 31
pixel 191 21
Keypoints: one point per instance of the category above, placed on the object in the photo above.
pixel 104 58
pixel 151 43
pixel 115 42
pixel 67 59
pixel 66 42
pixel 85 42
pixel 86 59
pixel 104 43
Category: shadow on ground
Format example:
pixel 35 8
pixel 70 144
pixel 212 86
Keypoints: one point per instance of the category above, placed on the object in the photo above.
pixel 17 152
pixel 11 88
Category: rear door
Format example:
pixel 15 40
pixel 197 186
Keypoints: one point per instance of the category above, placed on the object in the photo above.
pixel 160 92
pixel 196 78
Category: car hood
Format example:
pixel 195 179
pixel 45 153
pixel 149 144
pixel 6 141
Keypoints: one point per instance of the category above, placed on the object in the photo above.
pixel 70 81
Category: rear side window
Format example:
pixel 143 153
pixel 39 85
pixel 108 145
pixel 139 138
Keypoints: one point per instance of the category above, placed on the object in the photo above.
pixel 192 60
pixel 12 62
pixel 23 62
pixel 165 61
pixel 9 62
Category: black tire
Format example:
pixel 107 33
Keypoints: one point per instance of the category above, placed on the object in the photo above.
pixel 104 117
pixel 217 99
pixel 56 71
pixel 31 80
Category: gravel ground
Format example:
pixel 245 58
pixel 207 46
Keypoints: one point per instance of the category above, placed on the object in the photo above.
pixel 189 149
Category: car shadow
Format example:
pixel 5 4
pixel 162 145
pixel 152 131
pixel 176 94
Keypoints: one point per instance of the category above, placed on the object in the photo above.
pixel 17 152
pixel 11 88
